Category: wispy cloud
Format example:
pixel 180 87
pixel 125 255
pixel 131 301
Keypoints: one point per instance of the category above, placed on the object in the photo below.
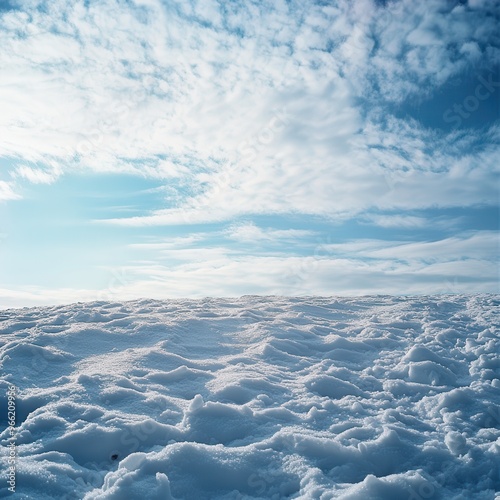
pixel 470 245
pixel 397 220
pixel 37 175
pixel 249 232
pixel 7 191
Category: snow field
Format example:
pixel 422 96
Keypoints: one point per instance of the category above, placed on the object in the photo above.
pixel 258 397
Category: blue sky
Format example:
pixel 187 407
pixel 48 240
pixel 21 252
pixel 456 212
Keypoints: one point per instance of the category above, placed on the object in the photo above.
pixel 213 148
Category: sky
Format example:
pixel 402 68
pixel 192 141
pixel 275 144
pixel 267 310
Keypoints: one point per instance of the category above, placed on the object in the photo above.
pixel 163 149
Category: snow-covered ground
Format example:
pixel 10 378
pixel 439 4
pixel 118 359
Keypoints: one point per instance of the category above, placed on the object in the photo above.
pixel 258 397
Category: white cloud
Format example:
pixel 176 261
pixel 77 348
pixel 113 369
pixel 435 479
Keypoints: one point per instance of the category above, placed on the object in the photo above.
pixel 407 221
pixel 37 175
pixel 417 46
pixel 442 222
pixel 250 233
pixel 7 192
pixel 469 245
pixel 172 243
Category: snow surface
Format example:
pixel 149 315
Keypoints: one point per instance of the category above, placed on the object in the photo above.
pixel 259 397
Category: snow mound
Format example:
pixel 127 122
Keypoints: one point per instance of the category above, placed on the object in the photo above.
pixel 257 397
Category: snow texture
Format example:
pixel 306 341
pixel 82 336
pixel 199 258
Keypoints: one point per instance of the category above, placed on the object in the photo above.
pixel 381 397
